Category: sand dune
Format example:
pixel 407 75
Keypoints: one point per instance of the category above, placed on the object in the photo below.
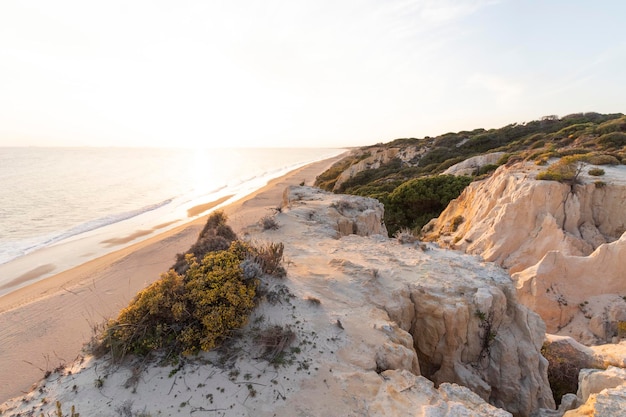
pixel 47 323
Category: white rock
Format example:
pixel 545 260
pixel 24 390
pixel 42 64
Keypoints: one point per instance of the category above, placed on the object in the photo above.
pixel 592 381
pixel 562 244
pixel 471 165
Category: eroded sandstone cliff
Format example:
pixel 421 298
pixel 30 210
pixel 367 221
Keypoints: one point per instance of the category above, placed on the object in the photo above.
pixel 562 243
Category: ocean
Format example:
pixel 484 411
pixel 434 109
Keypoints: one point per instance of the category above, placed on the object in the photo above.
pixel 91 196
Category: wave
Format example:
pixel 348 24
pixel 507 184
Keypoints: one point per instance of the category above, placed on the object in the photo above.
pixel 88 226
pixel 237 173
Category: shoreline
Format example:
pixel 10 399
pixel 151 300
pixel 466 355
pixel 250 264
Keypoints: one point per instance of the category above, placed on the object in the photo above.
pixel 47 323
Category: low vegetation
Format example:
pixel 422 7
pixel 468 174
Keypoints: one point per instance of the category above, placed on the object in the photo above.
pixel 413 203
pixel 564 365
pixel 567 169
pixel 195 305
pixel 596 172
pixel 573 140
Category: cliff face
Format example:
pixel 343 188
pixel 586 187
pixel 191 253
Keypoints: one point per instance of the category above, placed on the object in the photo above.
pixel 561 243
pixel 560 286
pixel 458 316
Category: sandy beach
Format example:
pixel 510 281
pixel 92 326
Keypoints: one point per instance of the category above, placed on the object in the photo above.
pixel 46 324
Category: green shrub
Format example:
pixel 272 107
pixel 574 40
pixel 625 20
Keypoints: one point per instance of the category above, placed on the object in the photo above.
pixel 486 169
pixel 602 159
pixel 615 125
pixel 537 145
pixel 503 159
pixel 449 162
pixel 207 244
pixel 216 225
pixel 328 178
pixel 370 175
pixel 596 172
pixel 612 140
pixel 573 151
pixel 417 201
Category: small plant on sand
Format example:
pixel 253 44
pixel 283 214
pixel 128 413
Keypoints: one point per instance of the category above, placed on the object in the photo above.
pixel 270 258
pixel 269 223
pixel 59 411
pixel 313 300
pixel 596 172
pixel 405 235
pixel 274 341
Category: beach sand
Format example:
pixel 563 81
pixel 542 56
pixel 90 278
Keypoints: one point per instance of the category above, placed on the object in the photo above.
pixel 46 324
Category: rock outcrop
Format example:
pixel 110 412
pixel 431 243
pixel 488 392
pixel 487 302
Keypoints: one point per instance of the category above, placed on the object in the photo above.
pixel 562 243
pixel 402 394
pixel 465 322
pixel 472 165
pixel 350 215
pixel 559 286
pixel 600 393
pixel 375 156
pixel 513 219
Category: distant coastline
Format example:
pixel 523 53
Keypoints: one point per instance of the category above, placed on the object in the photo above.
pixel 93 202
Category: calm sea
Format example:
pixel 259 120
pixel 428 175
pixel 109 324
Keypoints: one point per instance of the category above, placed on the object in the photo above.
pixel 51 195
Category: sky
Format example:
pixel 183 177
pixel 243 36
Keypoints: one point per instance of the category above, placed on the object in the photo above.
pixel 299 73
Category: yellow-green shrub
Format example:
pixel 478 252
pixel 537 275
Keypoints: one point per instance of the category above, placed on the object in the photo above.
pixel 596 172
pixel 216 235
pixel 185 314
pixel 565 169
pixel 602 159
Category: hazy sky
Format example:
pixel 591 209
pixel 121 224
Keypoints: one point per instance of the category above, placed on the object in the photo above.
pixel 299 73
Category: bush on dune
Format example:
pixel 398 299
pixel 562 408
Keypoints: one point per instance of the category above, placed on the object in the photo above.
pixel 566 170
pixel 216 235
pixel 185 314
pixel 195 310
